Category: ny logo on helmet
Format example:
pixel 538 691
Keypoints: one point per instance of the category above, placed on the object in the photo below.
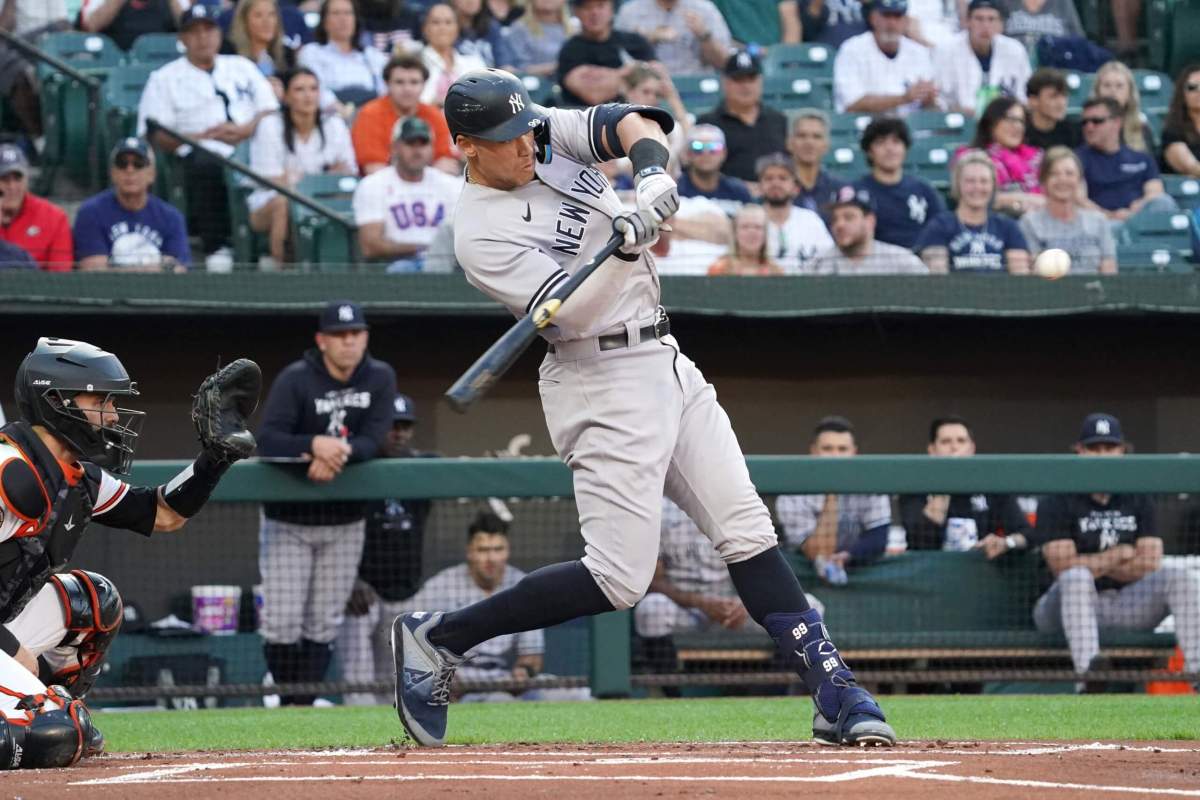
pixel 515 102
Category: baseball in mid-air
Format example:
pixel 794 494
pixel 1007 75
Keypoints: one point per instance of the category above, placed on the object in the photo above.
pixel 1052 264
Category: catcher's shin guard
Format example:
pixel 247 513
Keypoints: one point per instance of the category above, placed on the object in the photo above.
pixel 49 737
pixel 92 611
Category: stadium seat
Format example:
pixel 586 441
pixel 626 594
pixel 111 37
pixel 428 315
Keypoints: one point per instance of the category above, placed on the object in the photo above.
pixel 846 161
pixel 321 243
pixel 1155 89
pixel 541 90
pixel 1156 241
pixel 247 245
pixel 941 125
pixel 930 160
pixel 1185 190
pixel 812 61
pixel 1079 86
pixel 786 92
pixel 699 93
pixel 119 104
pixel 155 49
pixel 848 126
pixel 1148 257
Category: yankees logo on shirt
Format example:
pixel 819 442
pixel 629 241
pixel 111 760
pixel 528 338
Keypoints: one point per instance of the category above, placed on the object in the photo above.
pixel 917 208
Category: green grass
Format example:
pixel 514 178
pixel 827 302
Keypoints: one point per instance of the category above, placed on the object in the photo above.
pixel 985 717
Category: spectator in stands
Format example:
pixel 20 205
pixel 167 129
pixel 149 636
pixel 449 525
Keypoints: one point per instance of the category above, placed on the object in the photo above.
pixel 700 232
pixel 126 227
pixel 593 63
pixel 479 33
pixel 1064 224
pixel 831 22
pixel 37 226
pixel 763 22
pixel 30 20
pixel 752 128
pixel 1120 181
pixel 689 36
pixel 835 531
pixel 390 26
pixel 808 145
pixel 650 84
pixel 405 76
pixel 1105 551
pixel 993 523
pixel 217 99
pixel 506 12
pixel 485 572
pixel 1029 20
pixel 1181 130
pixel 903 203
pixel 980 64
pixel 398 210
pixel 1046 123
pixel 125 20
pixel 350 74
pixel 256 34
pixel 330 408
pixel 1115 80
pixel 856 251
pixel 703 175
pixel 1001 134
pixel 882 70
pixel 748 253
pixel 290 144
pixel 794 234
pixel 537 37
pixel 388 573
pixel 445 62
pixel 13 257
pixel 971 238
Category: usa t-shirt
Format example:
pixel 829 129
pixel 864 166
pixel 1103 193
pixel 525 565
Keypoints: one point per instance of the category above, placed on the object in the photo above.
pixel 103 227
pixel 902 209
pixel 1115 180
pixel 972 248
pixel 410 211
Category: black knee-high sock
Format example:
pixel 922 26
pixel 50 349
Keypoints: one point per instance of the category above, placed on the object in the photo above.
pixel 544 597
pixel 767 585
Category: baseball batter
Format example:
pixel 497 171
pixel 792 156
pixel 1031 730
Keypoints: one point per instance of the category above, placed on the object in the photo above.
pixel 628 412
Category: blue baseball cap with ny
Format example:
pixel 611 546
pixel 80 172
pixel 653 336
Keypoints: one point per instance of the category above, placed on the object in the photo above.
pixel 342 315
pixel 1101 428
pixel 888 6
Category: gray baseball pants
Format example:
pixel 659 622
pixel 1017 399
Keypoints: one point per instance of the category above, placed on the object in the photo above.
pixel 307 573
pixel 1074 607
pixel 364 648
pixel 633 424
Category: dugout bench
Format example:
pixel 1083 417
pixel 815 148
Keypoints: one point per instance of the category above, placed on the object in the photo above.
pixel 928 617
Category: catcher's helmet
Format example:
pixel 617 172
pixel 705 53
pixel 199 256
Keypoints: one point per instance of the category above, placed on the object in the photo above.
pixel 493 104
pixel 48 381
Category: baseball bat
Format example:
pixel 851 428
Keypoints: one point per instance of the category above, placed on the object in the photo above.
pixel 491 366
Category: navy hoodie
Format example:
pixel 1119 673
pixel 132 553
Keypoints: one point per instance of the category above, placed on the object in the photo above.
pixel 306 401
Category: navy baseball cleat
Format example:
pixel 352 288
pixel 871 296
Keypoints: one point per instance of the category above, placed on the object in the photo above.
pixel 423 676
pixel 860 722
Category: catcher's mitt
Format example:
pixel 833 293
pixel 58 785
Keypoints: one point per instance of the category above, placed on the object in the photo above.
pixel 221 406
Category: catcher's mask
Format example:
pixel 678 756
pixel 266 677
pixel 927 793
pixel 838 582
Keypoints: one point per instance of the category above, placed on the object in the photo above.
pixel 51 378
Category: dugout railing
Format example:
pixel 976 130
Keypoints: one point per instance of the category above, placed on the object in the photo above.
pixel 906 623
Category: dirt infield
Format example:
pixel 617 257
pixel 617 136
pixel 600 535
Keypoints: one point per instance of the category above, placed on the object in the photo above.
pixel 736 770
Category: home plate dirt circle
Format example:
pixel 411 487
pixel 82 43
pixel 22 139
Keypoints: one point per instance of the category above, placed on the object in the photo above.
pixel 733 770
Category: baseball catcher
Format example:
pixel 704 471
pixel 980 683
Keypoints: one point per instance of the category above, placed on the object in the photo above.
pixel 58 468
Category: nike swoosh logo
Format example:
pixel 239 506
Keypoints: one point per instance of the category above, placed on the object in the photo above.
pixel 528 213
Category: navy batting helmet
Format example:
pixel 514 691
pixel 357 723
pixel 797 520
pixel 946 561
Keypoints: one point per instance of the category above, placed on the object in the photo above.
pixel 494 105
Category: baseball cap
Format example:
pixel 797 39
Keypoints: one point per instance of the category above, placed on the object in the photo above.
pixel 197 12
pixel 133 146
pixel 850 196
pixel 975 5
pixel 1101 428
pixel 342 315
pixel 889 6
pixel 12 159
pixel 403 409
pixel 743 63
pixel 410 129
pixel 773 160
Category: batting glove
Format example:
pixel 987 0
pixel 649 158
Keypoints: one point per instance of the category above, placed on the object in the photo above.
pixel 640 230
pixel 657 193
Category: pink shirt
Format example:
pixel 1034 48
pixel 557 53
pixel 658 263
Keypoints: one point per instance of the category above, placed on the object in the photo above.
pixel 1016 168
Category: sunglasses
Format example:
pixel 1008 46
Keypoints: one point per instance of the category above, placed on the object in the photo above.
pixel 1017 120
pixel 1094 120
pixel 130 163
pixel 711 147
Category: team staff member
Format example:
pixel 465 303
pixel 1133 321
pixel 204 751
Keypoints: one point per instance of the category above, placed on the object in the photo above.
pixel 957 522
pixel 37 226
pixel 57 466
pixel 1106 557
pixel 630 414
pixel 330 408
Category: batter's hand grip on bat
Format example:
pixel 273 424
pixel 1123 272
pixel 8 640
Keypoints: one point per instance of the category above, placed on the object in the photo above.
pixel 499 358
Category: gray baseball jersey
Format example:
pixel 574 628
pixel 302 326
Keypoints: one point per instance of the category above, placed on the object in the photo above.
pixel 632 423
pixel 518 246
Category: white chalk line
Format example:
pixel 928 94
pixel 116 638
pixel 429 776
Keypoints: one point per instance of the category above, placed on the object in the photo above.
pixel 1035 784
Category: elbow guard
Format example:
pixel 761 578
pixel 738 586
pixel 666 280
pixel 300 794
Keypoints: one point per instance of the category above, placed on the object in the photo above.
pixel 188 491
